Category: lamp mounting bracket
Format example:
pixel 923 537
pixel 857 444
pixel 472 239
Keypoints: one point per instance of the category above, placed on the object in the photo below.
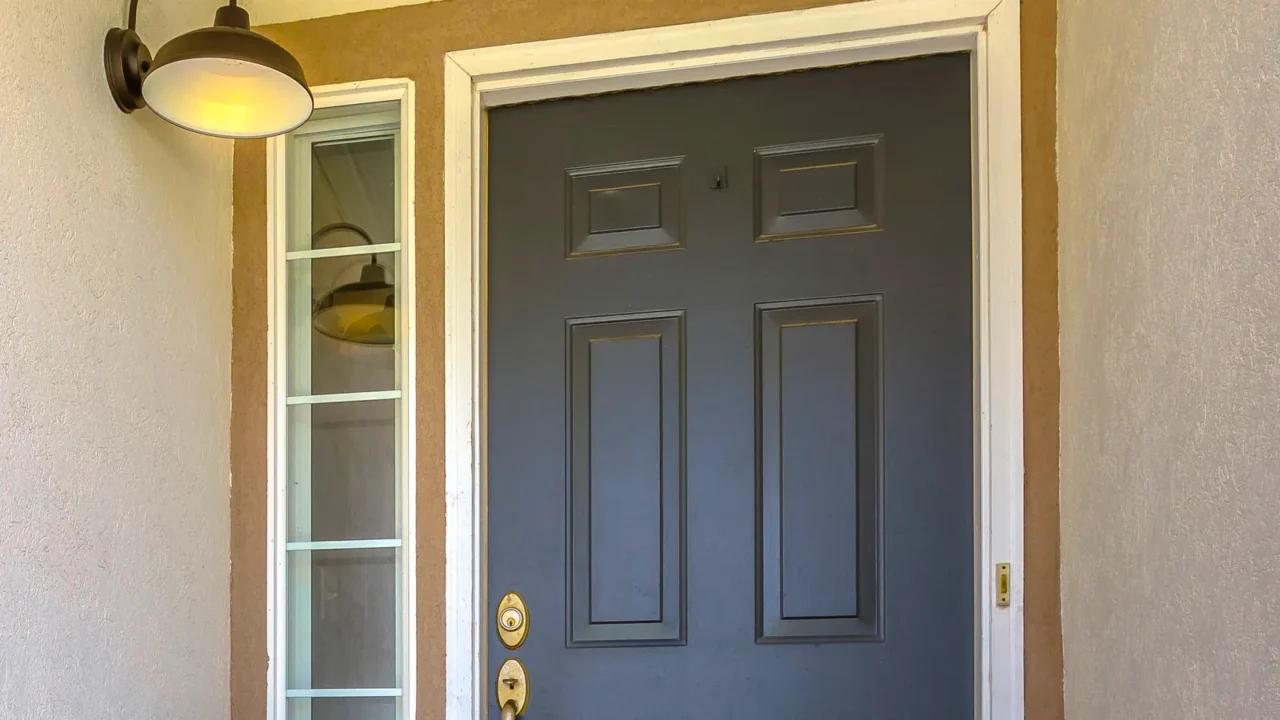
pixel 127 62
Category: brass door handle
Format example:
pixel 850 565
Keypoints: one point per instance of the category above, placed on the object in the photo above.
pixel 512 689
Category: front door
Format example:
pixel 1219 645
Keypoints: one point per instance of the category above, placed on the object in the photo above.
pixel 730 398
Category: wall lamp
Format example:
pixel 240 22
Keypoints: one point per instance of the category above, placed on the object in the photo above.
pixel 226 80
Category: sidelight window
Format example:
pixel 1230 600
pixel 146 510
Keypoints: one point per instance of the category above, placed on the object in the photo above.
pixel 341 607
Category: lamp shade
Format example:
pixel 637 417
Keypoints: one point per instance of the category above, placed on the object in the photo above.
pixel 361 312
pixel 228 81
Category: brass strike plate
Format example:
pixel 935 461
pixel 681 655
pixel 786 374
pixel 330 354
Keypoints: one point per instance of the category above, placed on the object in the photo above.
pixel 513 686
pixel 512 622
pixel 1003 584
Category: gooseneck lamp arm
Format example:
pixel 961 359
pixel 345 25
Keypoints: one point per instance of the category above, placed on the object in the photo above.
pixel 335 227
pixel 133 13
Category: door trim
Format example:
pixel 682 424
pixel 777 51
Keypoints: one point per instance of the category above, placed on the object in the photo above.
pixel 839 35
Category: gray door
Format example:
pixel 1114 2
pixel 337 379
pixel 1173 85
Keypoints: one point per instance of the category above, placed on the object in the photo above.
pixel 730 397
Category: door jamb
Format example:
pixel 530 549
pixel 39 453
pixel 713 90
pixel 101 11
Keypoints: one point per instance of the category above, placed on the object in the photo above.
pixel 821 37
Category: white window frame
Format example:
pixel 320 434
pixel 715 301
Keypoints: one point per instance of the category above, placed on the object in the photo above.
pixel 475 80
pixel 348 94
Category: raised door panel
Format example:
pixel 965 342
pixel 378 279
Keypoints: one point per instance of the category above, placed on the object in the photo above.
pixel 626 484
pixel 624 207
pixel 811 189
pixel 818 576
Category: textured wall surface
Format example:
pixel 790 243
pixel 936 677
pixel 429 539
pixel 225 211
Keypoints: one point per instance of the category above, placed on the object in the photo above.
pixel 115 268
pixel 1170 287
pixel 409 42
pixel 280 11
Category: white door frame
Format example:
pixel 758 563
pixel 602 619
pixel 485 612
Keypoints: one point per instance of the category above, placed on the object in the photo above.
pixel 758 44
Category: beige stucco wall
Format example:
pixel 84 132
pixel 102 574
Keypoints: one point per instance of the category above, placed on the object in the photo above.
pixel 115 263
pixel 1170 309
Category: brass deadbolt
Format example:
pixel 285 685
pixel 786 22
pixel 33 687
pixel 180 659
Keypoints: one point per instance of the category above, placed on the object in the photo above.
pixel 512 621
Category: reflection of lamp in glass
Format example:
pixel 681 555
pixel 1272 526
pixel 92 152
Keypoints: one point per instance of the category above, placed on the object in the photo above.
pixel 362 312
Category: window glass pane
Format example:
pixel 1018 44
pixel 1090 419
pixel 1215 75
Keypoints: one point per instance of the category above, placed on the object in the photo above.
pixel 353 298
pixel 343 618
pixel 343 575
pixel 343 471
pixel 352 182
pixel 343 708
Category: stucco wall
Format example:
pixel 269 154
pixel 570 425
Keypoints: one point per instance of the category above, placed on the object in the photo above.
pixel 410 42
pixel 1170 287
pixel 114 355
pixel 281 11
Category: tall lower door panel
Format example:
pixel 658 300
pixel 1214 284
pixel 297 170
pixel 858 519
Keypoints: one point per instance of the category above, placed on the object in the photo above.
pixel 730 397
